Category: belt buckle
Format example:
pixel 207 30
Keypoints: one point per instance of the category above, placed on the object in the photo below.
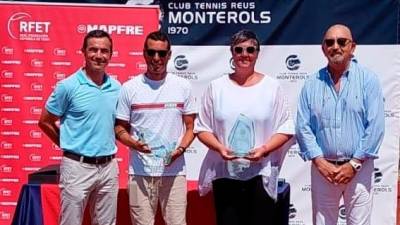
pixel 81 159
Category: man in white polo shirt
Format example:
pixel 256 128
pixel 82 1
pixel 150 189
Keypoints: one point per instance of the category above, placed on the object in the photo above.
pixel 155 116
pixel 85 104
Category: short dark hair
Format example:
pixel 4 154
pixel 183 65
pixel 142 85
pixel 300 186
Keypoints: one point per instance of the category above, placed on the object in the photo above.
pixel 157 36
pixel 96 34
pixel 242 36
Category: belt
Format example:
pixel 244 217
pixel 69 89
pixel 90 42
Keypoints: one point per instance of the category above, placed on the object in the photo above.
pixel 90 160
pixel 339 162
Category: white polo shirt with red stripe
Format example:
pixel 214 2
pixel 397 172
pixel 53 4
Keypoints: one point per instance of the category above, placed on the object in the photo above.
pixel 154 110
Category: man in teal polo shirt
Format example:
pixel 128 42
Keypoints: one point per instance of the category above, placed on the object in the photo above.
pixel 85 104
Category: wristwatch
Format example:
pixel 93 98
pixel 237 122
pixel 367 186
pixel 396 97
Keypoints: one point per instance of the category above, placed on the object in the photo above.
pixel 356 166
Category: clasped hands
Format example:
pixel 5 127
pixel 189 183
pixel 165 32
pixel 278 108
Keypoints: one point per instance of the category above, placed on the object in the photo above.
pixel 335 174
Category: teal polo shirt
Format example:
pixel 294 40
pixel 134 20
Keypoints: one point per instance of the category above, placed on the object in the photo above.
pixel 87 113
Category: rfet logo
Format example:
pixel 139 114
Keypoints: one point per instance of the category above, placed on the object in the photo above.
pixel 36 86
pixel 6 122
pixel 21 26
pixel 7 50
pixel 37 63
pixel 59 75
pixel 35 158
pixel 6 98
pixel 7 74
pixel 35 110
pixel 5 192
pixel 5 169
pixel 59 52
pixel 35 134
pixel 6 145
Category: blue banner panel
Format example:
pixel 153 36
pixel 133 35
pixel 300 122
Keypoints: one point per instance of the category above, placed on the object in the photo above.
pixel 283 22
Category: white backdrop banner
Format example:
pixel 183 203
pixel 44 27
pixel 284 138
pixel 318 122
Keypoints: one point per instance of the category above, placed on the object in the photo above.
pixel 291 65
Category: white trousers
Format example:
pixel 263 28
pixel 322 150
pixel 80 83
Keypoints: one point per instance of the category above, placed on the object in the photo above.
pixel 357 197
pixel 82 183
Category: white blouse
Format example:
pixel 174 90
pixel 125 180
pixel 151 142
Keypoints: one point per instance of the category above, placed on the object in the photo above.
pixel 262 111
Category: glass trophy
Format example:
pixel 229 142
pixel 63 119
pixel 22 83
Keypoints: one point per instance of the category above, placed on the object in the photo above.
pixel 241 137
pixel 241 141
pixel 160 148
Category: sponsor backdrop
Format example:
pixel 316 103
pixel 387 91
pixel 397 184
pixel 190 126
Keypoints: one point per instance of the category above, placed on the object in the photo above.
pixel 291 33
pixel 39 47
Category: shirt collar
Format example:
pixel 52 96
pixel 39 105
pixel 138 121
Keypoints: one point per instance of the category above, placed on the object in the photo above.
pixel 83 79
pixel 345 73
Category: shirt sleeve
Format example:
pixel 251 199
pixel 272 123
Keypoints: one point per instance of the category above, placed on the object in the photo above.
pixel 374 121
pixel 123 105
pixel 58 102
pixel 309 149
pixel 189 106
pixel 204 121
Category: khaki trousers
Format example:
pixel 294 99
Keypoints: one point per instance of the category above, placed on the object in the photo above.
pixel 146 192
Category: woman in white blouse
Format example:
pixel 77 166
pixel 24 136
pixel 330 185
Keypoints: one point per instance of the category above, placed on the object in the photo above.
pixel 244 121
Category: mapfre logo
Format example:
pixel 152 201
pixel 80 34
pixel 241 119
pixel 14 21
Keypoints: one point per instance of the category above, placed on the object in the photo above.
pixel 111 29
pixel 21 26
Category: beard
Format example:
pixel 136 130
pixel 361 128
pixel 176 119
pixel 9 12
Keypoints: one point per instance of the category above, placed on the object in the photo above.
pixel 337 59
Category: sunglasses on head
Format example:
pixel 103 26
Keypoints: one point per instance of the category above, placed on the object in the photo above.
pixel 342 42
pixel 250 49
pixel 152 52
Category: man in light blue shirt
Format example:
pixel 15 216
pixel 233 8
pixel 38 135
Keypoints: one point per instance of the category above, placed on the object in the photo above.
pixel 85 104
pixel 340 127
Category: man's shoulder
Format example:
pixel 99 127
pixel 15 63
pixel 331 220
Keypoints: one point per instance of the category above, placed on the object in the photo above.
pixel 363 71
pixel 132 81
pixel 71 81
pixel 114 82
pixel 317 76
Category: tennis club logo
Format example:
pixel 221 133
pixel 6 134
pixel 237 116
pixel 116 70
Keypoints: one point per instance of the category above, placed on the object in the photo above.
pixel 181 63
pixel 293 62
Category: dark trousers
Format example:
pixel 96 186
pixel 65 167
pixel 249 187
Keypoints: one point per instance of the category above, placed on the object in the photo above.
pixel 243 202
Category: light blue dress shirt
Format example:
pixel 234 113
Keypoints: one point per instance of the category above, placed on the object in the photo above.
pixel 341 125
pixel 87 113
